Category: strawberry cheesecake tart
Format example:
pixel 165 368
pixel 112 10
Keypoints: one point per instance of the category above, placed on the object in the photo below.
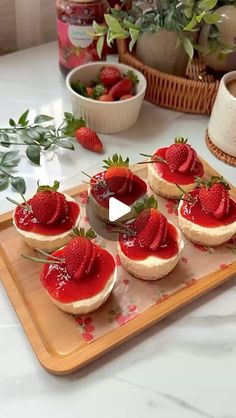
pixel 46 221
pixel 207 215
pixel 151 246
pixel 177 163
pixel 79 277
pixel 119 182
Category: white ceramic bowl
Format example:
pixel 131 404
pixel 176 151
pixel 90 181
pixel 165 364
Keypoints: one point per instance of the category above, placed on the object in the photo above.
pixel 105 117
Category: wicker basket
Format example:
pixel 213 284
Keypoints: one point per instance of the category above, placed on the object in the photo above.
pixel 194 93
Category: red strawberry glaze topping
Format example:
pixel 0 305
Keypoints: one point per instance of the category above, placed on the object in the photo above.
pixel 176 176
pixel 101 192
pixel 26 221
pixel 59 284
pixel 167 248
pixel 194 212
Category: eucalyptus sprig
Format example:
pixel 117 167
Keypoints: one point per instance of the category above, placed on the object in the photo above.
pixel 8 161
pixel 41 134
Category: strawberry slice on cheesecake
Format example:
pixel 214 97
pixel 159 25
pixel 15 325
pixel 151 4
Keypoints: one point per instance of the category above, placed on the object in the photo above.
pixel 47 219
pixel 79 277
pixel 177 163
pixel 116 181
pixel 207 215
pixel 150 246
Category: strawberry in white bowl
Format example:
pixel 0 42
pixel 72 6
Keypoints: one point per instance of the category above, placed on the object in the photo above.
pixel 207 215
pixel 150 246
pixel 79 277
pixel 177 163
pixel 47 219
pixel 116 181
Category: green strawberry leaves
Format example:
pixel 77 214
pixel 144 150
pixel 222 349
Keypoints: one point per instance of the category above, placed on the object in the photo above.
pixel 46 188
pixel 80 232
pixel 214 179
pixel 147 203
pixel 71 125
pixel 116 161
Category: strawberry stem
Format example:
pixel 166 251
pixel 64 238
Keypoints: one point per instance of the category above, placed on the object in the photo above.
pixel 93 182
pixel 155 158
pixel 83 172
pixel 41 260
pixel 145 155
pixel 49 255
pixel 189 199
pixel 26 206
pixel 124 228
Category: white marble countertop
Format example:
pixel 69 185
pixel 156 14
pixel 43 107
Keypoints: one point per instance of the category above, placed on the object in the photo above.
pixel 184 367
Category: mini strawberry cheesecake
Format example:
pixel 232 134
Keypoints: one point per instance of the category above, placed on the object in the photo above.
pixel 117 181
pixel 80 276
pixel 151 246
pixel 46 220
pixel 177 163
pixel 207 215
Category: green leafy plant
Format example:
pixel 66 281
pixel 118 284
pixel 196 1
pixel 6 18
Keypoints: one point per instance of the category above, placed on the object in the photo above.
pixel 180 16
pixel 37 136
pixel 8 161
pixel 40 135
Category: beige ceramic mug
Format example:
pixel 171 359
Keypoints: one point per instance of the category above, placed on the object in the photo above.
pixel 222 124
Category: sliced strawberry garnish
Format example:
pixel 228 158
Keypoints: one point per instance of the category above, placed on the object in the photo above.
pixel 190 162
pixel 151 228
pixel 181 156
pixel 80 255
pixel 119 179
pixel 49 206
pixel 89 139
pixel 214 198
pixel 118 176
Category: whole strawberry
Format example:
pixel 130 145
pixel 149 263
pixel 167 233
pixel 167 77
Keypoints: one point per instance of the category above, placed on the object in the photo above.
pixel 48 205
pixel 118 177
pixel 79 255
pixel 89 139
pixel 124 87
pixel 109 75
pixel 180 156
pixel 214 197
pixel 150 225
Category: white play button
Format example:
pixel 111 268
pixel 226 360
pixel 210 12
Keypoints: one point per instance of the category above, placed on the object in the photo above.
pixel 117 209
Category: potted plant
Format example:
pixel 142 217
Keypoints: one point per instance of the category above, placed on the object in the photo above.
pixel 217 42
pixel 165 35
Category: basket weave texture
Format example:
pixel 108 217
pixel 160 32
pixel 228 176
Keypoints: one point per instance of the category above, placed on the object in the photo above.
pixel 194 93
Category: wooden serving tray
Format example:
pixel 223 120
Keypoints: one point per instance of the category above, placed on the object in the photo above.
pixel 53 334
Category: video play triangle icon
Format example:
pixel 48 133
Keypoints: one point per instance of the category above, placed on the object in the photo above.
pixel 117 209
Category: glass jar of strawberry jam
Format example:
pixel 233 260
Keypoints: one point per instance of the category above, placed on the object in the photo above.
pixel 74 27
